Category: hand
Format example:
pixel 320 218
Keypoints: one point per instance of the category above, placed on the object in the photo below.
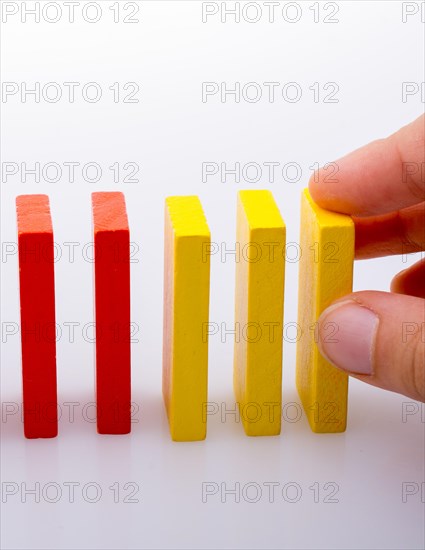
pixel 381 336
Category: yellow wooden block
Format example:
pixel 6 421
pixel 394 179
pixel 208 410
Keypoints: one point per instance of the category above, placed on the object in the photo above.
pixel 326 274
pixel 186 307
pixel 260 277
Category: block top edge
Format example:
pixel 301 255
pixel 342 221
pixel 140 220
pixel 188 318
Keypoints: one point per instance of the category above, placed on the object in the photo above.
pixel 109 211
pixel 187 216
pixel 261 209
pixel 33 214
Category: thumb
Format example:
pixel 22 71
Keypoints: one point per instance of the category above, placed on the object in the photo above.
pixel 379 338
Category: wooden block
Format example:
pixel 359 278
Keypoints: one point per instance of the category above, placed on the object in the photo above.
pixel 186 310
pixel 325 274
pixel 260 277
pixel 38 330
pixel 112 313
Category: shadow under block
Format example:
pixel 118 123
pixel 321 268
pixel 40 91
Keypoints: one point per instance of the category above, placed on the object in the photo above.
pixel 38 330
pixel 112 313
pixel 260 278
pixel 186 313
pixel 325 274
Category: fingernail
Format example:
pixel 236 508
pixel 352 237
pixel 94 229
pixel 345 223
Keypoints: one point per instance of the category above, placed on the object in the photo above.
pixel 349 341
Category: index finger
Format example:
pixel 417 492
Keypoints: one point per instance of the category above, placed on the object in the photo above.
pixel 384 176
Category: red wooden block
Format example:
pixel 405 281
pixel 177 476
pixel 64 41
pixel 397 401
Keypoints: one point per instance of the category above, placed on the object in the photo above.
pixel 112 313
pixel 38 329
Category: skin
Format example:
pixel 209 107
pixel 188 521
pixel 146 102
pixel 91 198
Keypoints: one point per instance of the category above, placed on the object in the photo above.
pixel 382 186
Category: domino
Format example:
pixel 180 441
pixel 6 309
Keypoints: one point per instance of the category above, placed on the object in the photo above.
pixel 325 274
pixel 37 303
pixel 112 313
pixel 186 311
pixel 260 277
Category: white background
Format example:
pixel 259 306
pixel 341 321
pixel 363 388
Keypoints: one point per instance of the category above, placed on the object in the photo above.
pixel 169 133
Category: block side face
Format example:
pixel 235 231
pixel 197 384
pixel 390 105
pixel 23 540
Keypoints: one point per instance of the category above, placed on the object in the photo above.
pixel 186 316
pixel 334 281
pixel 33 214
pixel 326 271
pixel 258 354
pixel 307 305
pixel 241 306
pixel 113 331
pixel 260 209
pixel 168 314
pixel 38 333
pixel 187 216
pixel 109 212
pixel 265 329
pixel 190 340
pixel 336 263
